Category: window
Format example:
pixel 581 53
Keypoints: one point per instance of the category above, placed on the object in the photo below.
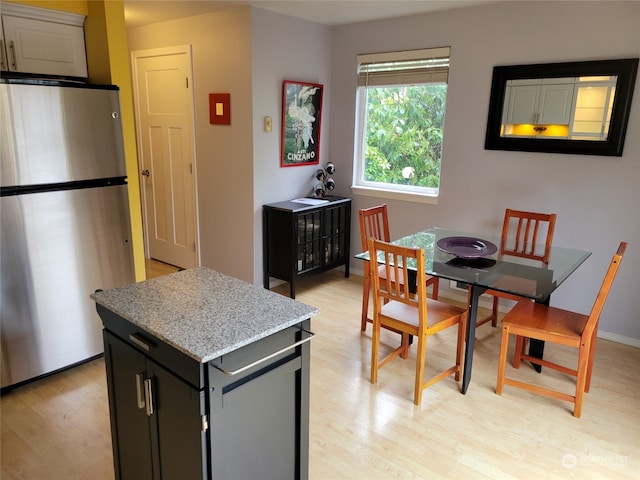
pixel 400 122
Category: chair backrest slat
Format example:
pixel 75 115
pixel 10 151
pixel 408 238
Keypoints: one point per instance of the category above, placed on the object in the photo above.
pixel 528 227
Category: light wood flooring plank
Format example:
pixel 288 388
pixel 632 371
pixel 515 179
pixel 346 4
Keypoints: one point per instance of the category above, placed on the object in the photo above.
pixel 58 427
pixel 154 268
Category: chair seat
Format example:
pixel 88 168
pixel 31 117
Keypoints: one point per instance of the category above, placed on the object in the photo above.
pixel 536 320
pixel 438 311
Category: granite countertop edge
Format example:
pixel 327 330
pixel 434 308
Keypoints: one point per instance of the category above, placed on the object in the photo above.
pixel 203 313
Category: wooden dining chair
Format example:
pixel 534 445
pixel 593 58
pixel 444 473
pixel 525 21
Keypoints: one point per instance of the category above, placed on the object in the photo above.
pixel 412 314
pixel 529 319
pixel 374 223
pixel 521 232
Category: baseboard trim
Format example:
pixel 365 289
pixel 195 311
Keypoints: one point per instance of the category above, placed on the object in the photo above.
pixel 614 337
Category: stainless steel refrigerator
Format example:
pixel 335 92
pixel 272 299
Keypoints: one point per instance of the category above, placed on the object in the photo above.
pixel 64 222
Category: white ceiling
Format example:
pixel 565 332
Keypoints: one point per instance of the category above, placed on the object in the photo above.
pixel 328 12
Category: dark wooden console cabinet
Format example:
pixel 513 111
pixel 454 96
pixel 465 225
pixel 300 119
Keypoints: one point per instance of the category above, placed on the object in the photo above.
pixel 300 239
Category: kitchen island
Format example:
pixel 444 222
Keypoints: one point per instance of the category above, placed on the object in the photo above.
pixel 208 377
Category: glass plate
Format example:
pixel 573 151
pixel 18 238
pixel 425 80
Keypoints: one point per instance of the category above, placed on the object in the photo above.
pixel 467 247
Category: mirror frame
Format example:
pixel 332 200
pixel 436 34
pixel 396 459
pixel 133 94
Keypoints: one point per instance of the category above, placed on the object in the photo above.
pixel 624 69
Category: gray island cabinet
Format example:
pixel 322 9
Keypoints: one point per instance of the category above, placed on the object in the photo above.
pixel 208 377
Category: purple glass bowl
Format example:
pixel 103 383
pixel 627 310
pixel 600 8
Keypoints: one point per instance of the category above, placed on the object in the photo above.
pixel 467 247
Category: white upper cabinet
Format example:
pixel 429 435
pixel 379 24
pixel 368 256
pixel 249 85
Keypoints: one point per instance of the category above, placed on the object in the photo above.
pixel 555 104
pixel 540 103
pixel 522 104
pixel 37 40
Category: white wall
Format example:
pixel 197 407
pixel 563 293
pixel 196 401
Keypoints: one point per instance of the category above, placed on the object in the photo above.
pixel 597 198
pixel 283 48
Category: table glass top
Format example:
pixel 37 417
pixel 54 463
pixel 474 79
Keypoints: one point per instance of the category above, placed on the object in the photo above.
pixel 520 276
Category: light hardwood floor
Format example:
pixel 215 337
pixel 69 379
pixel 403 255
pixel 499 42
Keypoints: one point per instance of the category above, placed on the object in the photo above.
pixel 156 269
pixel 58 427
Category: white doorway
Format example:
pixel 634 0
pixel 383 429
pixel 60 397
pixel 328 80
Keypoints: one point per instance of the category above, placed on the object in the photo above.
pixel 163 95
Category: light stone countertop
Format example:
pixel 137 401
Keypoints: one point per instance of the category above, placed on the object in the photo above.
pixel 202 312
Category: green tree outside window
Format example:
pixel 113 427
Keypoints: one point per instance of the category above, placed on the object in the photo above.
pixel 403 134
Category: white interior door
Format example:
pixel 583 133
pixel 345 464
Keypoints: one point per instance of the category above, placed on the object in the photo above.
pixel 164 116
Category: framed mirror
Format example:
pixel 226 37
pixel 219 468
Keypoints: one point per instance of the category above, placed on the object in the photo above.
pixel 576 107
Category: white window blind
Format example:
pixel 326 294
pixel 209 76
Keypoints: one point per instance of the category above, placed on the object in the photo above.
pixel 406 67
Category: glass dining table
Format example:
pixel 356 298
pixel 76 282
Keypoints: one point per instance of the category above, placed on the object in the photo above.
pixel 475 260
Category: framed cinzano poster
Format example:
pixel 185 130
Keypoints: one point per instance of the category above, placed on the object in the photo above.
pixel 301 119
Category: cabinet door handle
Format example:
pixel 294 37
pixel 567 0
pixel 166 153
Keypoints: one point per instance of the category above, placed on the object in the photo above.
pixel 148 396
pixel 139 342
pixel 140 390
pixel 268 357
pixel 12 48
pixel 2 55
